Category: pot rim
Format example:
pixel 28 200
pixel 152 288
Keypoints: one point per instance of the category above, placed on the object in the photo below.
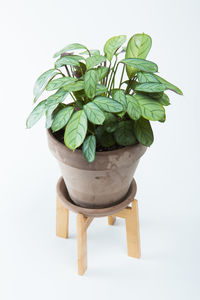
pixel 98 153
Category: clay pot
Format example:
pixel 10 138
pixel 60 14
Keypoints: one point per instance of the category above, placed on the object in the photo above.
pixel 102 183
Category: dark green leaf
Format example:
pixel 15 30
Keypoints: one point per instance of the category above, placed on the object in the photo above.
pixel 94 113
pixel 110 123
pixel 101 89
pixel 36 114
pixel 90 82
pixel 56 98
pixel 42 81
pixel 70 47
pixel 133 108
pixel 104 138
pixel 94 60
pixel 108 104
pixel 119 96
pixel 112 45
pixel 76 130
pixel 150 87
pixel 141 64
pixel 79 95
pixel 138 46
pixel 79 104
pixel 124 134
pixel 143 132
pixel 89 148
pixel 61 118
pixel 169 85
pixel 101 72
pixel 164 100
pixel 150 108
pixel 66 60
pixel 59 82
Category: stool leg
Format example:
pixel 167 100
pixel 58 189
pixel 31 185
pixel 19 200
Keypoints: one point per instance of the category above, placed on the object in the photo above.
pixel 132 231
pixel 111 220
pixel 82 244
pixel 62 219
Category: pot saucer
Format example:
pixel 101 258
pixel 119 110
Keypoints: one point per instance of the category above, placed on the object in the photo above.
pixel 64 197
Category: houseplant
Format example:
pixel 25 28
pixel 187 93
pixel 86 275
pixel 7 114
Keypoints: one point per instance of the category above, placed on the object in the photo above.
pixel 107 116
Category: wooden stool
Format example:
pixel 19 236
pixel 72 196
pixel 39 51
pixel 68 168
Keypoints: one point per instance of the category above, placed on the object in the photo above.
pixel 85 217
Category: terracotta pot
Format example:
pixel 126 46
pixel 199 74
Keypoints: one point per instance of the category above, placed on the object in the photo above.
pixel 103 183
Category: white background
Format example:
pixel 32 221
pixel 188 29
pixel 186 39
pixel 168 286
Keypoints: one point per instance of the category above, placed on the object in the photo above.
pixel 34 264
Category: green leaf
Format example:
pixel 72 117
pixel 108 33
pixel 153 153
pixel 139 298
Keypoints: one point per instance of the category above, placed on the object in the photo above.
pixel 108 104
pixel 66 60
pixel 119 96
pixel 61 118
pixel 76 130
pixel 124 134
pixel 101 72
pixel 133 108
pixel 143 132
pixel 164 100
pixel 56 98
pixel 141 64
pixel 94 114
pixel 94 60
pixel 49 115
pixel 105 139
pixel 150 87
pixel 150 108
pixel 138 46
pixel 59 82
pixel 101 89
pixel 42 81
pixel 112 45
pixel 92 52
pixel 110 123
pixel 70 47
pixel 89 148
pixel 36 114
pixel 76 57
pixel 74 86
pixel 90 82
pixel 146 77
pixel 168 85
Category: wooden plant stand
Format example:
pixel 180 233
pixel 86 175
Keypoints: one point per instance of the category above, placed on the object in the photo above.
pixel 129 213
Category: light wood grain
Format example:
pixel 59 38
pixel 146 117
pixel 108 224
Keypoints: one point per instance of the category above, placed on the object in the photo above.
pixel 111 220
pixel 82 226
pixel 62 219
pixel 132 232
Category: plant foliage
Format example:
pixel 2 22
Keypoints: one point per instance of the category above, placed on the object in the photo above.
pixel 105 108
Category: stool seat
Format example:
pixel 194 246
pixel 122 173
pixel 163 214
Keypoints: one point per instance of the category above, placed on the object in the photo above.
pixel 64 197
pixel 85 216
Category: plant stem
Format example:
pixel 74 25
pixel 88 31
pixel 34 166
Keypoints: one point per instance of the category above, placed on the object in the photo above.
pixel 73 97
pixel 113 78
pixel 67 71
pixel 121 76
pixel 71 71
pixel 88 51
pixel 108 74
pixel 128 86
pixel 112 74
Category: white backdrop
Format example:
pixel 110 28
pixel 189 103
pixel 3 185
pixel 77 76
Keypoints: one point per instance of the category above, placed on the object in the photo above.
pixel 34 264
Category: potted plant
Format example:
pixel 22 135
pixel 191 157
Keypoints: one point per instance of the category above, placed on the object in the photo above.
pixel 99 135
